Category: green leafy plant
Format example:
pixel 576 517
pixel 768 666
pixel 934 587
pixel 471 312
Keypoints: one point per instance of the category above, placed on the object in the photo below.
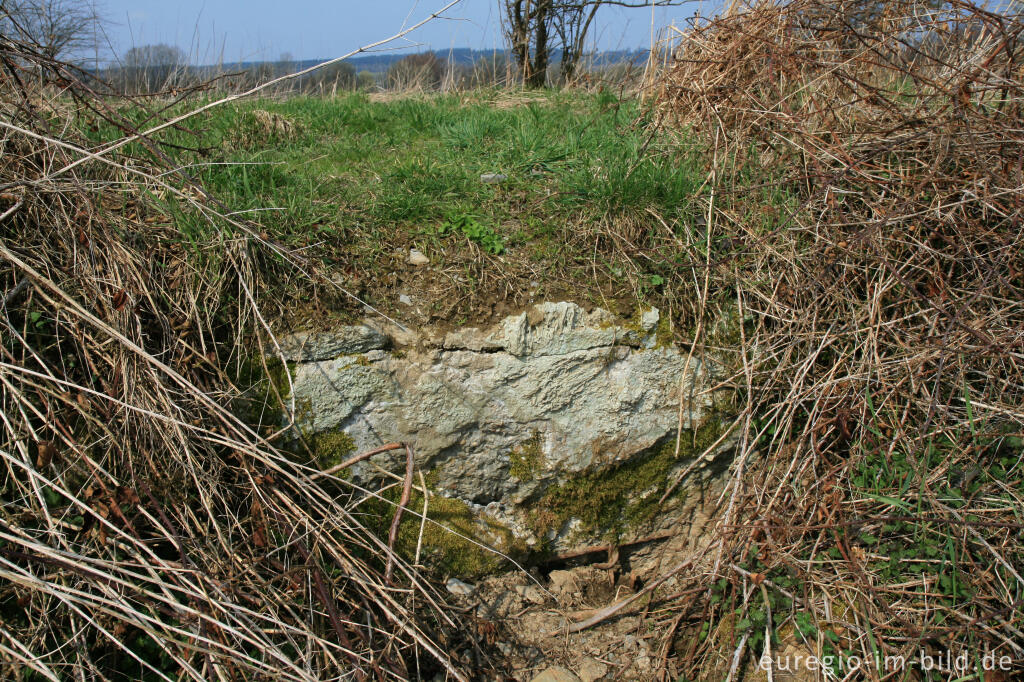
pixel 804 623
pixel 470 226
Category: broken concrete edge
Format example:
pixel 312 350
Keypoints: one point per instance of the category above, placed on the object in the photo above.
pixel 365 342
pixel 511 334
pixel 315 347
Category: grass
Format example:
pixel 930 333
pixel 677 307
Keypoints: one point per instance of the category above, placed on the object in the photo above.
pixel 354 182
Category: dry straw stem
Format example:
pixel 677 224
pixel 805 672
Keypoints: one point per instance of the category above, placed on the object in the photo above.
pixel 147 529
pixel 868 192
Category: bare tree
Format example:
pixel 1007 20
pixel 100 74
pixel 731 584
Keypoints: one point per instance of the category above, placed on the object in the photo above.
pixel 150 68
pixel 535 29
pixel 527 29
pixel 571 27
pixel 153 55
pixel 59 29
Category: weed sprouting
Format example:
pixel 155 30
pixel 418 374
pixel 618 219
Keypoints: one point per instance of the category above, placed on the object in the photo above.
pixel 470 226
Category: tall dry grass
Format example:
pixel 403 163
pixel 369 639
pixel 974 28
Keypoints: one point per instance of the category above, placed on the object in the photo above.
pixel 150 526
pixel 862 217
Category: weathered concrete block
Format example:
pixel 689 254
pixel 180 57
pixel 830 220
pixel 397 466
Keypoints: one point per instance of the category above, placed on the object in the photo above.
pixel 525 420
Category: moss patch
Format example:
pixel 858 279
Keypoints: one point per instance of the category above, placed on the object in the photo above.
pixel 527 458
pixel 280 375
pixel 442 549
pixel 263 389
pixel 358 360
pixel 331 447
pixel 662 333
pixel 625 497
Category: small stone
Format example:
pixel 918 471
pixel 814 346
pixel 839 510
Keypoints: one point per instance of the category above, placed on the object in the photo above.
pixel 417 257
pixel 649 319
pixel 629 642
pixel 592 669
pixel 493 178
pixel 456 586
pixel 404 299
pixel 530 593
pixel 556 674
pixel 563 581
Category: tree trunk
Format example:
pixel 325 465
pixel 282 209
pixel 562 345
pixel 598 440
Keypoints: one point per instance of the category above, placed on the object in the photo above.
pixel 538 76
pixel 519 27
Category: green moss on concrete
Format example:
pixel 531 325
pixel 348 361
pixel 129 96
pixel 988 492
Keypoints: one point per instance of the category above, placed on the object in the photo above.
pixel 441 548
pixel 527 459
pixel 622 499
pixel 662 332
pixel 456 555
pixel 331 447
pixel 358 360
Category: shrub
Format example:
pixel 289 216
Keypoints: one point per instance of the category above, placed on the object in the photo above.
pixel 418 71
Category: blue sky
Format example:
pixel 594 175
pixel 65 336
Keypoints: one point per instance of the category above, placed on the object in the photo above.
pixel 233 30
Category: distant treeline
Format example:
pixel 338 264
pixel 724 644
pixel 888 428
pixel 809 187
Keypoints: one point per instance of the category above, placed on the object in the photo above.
pixel 159 68
pixel 464 56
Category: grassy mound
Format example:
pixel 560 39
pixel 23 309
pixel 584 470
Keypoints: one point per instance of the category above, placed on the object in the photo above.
pixel 357 182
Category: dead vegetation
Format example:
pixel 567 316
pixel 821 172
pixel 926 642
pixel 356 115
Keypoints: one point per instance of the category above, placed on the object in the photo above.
pixel 258 127
pixel 861 223
pixel 863 210
pixel 150 527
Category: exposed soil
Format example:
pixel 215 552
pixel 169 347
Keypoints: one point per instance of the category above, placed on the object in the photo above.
pixel 454 290
pixel 526 617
